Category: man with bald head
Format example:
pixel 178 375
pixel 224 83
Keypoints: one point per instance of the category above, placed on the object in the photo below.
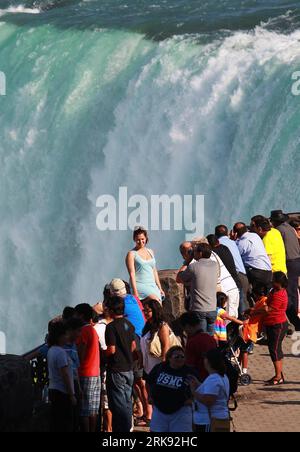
pixel 254 255
pixel 186 249
pixel 201 276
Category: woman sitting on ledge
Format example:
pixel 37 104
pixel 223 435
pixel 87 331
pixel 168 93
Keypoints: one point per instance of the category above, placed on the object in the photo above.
pixel 141 266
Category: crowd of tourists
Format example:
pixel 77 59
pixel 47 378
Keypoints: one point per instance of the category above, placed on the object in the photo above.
pixel 119 364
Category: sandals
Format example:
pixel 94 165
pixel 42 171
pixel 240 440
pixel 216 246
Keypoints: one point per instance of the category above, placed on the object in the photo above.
pixel 142 422
pixel 275 381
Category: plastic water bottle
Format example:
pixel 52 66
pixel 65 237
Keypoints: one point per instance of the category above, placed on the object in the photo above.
pixel 45 396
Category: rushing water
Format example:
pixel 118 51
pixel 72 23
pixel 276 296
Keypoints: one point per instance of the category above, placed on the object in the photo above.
pixel 173 96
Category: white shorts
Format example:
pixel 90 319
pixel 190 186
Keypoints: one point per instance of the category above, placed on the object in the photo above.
pixel 178 422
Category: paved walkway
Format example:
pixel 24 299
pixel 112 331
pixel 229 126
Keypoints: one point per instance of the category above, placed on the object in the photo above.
pixel 270 409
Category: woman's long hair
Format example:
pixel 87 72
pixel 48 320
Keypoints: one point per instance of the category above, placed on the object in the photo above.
pixel 157 317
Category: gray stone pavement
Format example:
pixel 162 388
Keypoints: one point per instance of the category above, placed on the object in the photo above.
pixel 270 409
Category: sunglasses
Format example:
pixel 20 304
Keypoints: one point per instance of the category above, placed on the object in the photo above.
pixel 178 356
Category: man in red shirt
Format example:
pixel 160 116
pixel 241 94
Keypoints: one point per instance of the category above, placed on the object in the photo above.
pixel 198 343
pixel 89 370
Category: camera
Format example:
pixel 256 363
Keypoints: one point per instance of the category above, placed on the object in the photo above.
pixel 191 252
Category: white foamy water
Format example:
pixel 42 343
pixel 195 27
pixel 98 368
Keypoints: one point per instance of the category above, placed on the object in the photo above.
pixel 20 9
pixel 90 111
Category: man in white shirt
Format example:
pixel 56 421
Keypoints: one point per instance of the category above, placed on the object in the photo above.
pixel 222 233
pixel 228 286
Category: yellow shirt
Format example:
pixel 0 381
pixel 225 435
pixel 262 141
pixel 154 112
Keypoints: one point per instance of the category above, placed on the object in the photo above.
pixel 275 248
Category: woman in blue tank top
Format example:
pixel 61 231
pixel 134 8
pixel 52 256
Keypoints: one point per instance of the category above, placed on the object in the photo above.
pixel 141 265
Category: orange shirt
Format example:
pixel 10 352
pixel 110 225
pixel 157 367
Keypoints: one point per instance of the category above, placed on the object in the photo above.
pixel 255 325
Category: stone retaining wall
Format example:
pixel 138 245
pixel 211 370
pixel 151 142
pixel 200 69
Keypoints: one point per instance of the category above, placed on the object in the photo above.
pixel 174 303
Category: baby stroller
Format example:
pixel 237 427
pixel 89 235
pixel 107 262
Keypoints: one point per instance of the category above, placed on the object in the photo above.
pixel 234 344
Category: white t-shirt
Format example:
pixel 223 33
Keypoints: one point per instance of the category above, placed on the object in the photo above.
pixel 226 280
pixel 219 387
pixel 100 328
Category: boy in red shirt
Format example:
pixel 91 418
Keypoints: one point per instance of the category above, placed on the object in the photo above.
pixel 89 370
pixel 198 343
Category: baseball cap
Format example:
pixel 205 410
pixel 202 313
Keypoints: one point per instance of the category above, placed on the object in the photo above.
pixel 117 287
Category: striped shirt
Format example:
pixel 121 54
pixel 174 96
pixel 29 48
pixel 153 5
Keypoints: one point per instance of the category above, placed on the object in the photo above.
pixel 220 326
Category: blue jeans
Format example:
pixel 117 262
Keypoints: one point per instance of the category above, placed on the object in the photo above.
pixel 207 321
pixel 119 392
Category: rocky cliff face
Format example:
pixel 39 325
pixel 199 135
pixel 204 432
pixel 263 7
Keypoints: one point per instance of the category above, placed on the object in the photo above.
pixel 16 395
pixel 174 302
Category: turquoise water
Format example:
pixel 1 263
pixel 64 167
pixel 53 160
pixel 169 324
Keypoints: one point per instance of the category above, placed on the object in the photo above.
pixel 163 97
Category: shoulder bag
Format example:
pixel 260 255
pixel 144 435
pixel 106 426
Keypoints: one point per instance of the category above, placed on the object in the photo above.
pixel 155 344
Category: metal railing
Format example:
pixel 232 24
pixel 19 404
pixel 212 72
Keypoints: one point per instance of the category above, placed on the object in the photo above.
pixel 39 372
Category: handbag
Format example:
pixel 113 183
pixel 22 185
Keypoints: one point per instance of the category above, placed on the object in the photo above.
pixel 155 344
